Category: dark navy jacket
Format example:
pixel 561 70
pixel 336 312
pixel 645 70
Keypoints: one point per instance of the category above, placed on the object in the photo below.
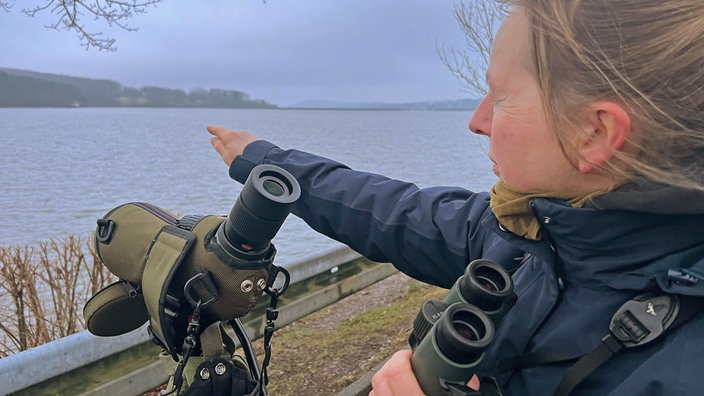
pixel 569 284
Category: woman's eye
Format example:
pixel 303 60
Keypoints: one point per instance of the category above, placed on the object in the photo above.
pixel 495 100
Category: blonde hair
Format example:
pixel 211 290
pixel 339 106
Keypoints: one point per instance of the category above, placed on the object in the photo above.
pixel 646 55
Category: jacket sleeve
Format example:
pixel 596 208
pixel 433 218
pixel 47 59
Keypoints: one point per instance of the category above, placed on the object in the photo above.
pixel 425 233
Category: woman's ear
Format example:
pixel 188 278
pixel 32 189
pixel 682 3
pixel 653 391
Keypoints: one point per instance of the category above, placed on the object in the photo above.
pixel 610 126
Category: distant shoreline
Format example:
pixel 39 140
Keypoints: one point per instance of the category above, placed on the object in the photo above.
pixel 29 89
pixel 235 108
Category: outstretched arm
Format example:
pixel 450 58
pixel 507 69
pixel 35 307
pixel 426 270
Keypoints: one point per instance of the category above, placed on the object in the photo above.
pixel 425 233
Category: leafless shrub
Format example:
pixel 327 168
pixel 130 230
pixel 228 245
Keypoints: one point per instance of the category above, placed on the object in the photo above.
pixel 43 289
pixel 61 262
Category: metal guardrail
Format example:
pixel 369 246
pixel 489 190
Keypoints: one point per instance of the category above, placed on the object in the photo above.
pixel 41 364
pixel 30 367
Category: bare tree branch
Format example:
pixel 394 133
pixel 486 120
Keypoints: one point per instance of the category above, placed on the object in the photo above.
pixel 71 13
pixel 478 20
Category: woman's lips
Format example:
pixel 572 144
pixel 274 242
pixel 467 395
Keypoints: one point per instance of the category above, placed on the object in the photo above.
pixel 495 168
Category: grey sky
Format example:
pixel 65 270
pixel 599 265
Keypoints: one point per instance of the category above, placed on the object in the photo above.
pixel 282 51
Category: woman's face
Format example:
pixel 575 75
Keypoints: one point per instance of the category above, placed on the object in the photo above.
pixel 526 153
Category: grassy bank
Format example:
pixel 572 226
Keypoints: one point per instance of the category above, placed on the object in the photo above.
pixel 325 352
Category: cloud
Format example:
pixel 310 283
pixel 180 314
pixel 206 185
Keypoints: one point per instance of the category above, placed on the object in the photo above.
pixel 280 51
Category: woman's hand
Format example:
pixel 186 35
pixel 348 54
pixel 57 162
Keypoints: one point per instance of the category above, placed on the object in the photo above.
pixel 396 377
pixel 229 144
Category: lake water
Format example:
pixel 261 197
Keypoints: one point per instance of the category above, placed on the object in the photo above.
pixel 61 169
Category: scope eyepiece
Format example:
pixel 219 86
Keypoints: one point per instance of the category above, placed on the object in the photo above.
pixel 265 201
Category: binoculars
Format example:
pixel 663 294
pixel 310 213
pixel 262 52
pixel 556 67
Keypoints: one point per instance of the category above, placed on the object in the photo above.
pixel 450 336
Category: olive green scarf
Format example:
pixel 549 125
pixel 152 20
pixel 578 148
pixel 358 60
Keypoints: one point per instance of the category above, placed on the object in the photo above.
pixel 512 210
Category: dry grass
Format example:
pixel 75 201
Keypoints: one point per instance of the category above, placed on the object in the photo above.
pixel 43 289
pixel 325 352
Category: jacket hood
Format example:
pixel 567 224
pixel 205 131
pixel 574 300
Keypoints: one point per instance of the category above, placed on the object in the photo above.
pixel 626 248
pixel 648 197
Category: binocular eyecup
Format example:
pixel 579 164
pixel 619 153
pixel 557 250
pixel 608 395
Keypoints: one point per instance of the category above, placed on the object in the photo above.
pixel 486 285
pixel 449 337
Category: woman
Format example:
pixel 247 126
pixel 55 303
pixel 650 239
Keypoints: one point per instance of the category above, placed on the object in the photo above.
pixel 595 118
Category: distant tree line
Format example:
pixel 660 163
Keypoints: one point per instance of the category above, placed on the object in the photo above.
pixel 20 88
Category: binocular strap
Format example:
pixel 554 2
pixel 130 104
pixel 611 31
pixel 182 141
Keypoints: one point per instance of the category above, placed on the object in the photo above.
pixel 638 322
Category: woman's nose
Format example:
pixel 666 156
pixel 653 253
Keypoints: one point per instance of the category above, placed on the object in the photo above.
pixel 480 123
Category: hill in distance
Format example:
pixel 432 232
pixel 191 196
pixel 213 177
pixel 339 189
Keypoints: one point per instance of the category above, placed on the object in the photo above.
pixel 25 88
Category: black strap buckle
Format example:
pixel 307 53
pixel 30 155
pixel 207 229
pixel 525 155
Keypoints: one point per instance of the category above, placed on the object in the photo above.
pixel 644 318
pixel 638 321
